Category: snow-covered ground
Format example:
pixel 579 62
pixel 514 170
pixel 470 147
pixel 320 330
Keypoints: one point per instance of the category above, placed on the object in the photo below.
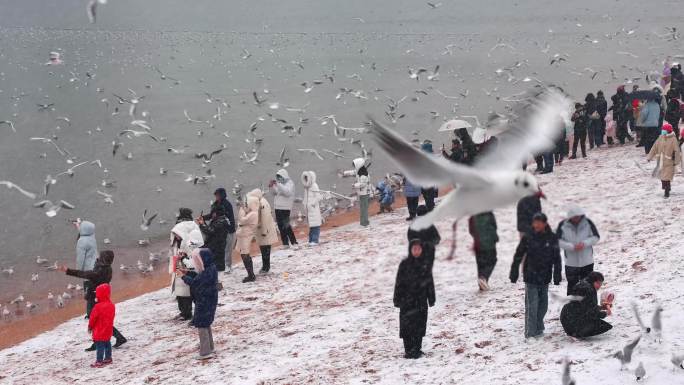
pixel 325 315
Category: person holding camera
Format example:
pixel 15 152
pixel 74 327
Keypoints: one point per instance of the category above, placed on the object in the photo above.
pixel 284 189
pixel 581 120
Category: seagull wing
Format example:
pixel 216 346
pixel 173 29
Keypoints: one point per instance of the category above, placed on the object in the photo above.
pixel 421 168
pixel 42 203
pixel 11 185
pixel 67 205
pixel 535 130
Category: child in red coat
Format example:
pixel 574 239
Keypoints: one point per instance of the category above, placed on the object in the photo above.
pixel 101 324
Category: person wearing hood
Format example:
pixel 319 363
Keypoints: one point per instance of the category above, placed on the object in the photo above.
pixel 203 284
pixel 669 155
pixel 584 318
pixel 248 221
pixel 185 214
pixel 576 236
pixel 525 211
pixel 539 255
pixel 673 114
pixel 581 120
pixel 100 274
pixel 467 144
pixel 215 235
pixel 619 108
pixel 363 189
pixel 648 121
pixel 386 195
pixel 265 233
pixel 312 207
pixel 101 324
pixel 221 199
pixel 185 237
pixel 593 118
pixel 429 193
pixel 602 110
pixel 457 154
pixel 86 253
pixel 414 291
pixel 412 195
pixel 284 189
pixel 482 227
pixel 429 237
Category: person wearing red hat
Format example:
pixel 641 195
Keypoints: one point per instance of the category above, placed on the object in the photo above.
pixel 666 149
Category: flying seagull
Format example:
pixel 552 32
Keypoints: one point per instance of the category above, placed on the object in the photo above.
pixel 496 179
pixel 11 185
pixel 145 224
pixel 53 209
pixel 625 355
pixel 9 123
pixel 138 134
pixel 566 378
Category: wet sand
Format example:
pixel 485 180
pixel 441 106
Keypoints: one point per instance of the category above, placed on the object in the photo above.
pixel 26 325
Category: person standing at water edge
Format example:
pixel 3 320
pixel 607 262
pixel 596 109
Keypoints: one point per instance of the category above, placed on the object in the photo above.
pixel 363 189
pixel 248 220
pixel 185 237
pixel 265 232
pixel 215 235
pixel 221 199
pixel 204 288
pixel 577 235
pixel 540 256
pixel 414 291
pixel 312 197
pixel 284 189
pixel 86 254
pixel 669 155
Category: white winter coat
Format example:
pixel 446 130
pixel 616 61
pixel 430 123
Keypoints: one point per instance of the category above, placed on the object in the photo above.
pixel 266 232
pixel 312 198
pixel 363 182
pixel 191 238
pixel 570 235
pixel 248 220
pixel 284 192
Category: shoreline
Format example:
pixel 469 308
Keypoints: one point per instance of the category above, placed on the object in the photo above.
pixel 125 288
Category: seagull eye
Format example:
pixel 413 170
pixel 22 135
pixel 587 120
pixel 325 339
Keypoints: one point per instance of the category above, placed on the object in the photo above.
pixel 526 184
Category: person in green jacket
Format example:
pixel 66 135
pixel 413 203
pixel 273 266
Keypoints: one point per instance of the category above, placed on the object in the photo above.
pixel 482 227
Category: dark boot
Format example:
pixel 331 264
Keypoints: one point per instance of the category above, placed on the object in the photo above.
pixel 91 348
pixel 265 259
pixel 247 261
pixel 666 187
pixel 120 339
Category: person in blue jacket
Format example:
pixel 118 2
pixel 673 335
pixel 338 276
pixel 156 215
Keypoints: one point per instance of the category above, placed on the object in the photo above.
pixel 386 194
pixel 412 195
pixel 203 284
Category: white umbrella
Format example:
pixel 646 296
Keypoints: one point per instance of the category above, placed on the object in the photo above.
pixel 454 124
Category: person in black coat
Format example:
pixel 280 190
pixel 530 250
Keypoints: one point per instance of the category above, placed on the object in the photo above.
pixel 584 318
pixel 620 114
pixel 673 113
pixel 221 199
pixel 215 234
pixel 590 111
pixel 414 291
pixel 526 209
pixel 456 154
pixel 101 273
pixel 540 255
pixel 429 237
pixel 602 109
pixel 581 120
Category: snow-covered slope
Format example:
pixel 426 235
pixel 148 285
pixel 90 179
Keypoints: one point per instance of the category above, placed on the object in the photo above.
pixel 325 315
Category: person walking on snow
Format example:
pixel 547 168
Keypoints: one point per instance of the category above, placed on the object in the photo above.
pixel 265 233
pixel 669 155
pixel 312 198
pixel 576 236
pixel 482 228
pixel 540 256
pixel 203 284
pixel 414 291
pixel 248 221
pixel 284 189
pixel 363 189
pixel 101 324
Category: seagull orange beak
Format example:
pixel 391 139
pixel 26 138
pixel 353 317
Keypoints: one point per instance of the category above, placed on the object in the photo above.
pixel 540 194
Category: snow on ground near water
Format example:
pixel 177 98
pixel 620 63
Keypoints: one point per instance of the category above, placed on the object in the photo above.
pixel 325 315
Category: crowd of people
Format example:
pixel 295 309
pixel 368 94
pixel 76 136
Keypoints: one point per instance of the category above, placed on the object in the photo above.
pixel 203 246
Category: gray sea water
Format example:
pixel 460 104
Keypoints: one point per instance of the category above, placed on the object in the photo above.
pixel 367 46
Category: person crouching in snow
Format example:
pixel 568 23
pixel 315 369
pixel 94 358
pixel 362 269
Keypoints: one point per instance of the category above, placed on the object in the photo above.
pixel 101 324
pixel 312 198
pixel 203 286
pixel 185 237
pixel 539 254
pixel 265 233
pixel 584 318
pixel 386 195
pixel 414 291
pixel 248 220
pixel 666 148
pixel 482 227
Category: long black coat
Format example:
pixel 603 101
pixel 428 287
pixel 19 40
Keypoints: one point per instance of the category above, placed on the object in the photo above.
pixel 601 106
pixel 414 291
pixel 526 209
pixel 619 106
pixel 101 273
pixel 215 234
pixel 429 239
pixel 541 255
pixel 577 315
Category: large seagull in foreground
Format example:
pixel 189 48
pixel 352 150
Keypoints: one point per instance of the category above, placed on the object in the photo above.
pixel 495 180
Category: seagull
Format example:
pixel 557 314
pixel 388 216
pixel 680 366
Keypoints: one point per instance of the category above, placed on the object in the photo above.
pixel 656 324
pixel 142 124
pixel 311 151
pixel 434 5
pixel 11 185
pixel 40 260
pixel 282 160
pixel 34 277
pixel 66 295
pixel 640 372
pixel 495 180
pixel 206 157
pixel 434 76
pixel 53 267
pixel 116 144
pixel 45 106
pixel 48 140
pixel 677 361
pixel 8 271
pixel 92 9
pixel 53 209
pixel 138 134
pixel 566 379
pixel 69 171
pixel 625 355
pixel 60 301
pixel 64 119
pixel 635 309
pixel 335 154
pixel 107 197
pixel 9 123
pixel 257 101
pixel 17 300
pixel 145 224
pixel 563 300
pixel 415 74
pixel 245 158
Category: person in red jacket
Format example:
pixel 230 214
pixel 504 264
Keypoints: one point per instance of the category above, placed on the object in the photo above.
pixel 101 324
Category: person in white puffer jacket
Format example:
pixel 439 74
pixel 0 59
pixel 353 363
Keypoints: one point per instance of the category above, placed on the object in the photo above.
pixel 363 189
pixel 185 237
pixel 576 236
pixel 312 198
pixel 284 189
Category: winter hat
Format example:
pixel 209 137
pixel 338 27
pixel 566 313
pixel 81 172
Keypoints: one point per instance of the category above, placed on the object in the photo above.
pixel 621 88
pixel 421 210
pixel 540 217
pixel 667 127
pixel 575 211
pixel 414 241
pixel 221 192
pixel 600 93
pixel 107 257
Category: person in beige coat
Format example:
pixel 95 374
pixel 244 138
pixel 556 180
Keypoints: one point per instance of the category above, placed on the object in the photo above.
pixel 669 155
pixel 248 220
pixel 266 231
